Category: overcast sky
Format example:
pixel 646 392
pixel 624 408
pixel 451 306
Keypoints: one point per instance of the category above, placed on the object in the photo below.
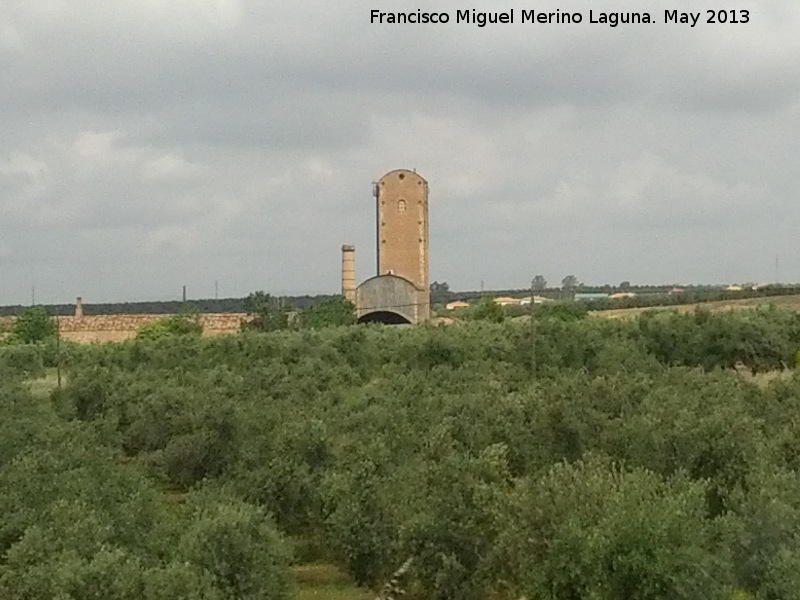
pixel 147 144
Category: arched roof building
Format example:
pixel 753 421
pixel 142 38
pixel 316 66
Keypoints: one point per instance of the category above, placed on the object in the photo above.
pixel 388 299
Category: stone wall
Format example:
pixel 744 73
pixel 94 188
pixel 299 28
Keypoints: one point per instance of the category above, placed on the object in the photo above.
pixel 116 328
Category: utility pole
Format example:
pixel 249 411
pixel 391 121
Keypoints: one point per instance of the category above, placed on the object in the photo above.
pixel 216 289
pixel 58 352
pixel 184 294
pixel 376 194
pixel 533 337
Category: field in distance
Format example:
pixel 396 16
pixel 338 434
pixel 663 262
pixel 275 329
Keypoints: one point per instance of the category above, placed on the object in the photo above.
pixel 783 302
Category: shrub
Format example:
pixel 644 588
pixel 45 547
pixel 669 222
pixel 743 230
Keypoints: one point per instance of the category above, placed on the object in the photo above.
pixel 595 530
pixel 563 311
pixel 489 310
pixel 21 361
pixel 237 544
pixel 34 325
pixel 184 324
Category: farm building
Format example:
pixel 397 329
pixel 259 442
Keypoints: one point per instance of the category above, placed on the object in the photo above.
pixel 590 296
pixel 456 304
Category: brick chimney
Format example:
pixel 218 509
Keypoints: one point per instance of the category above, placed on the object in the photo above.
pixel 349 272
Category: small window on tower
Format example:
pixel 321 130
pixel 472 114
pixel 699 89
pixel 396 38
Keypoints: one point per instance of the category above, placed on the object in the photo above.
pixel 401 205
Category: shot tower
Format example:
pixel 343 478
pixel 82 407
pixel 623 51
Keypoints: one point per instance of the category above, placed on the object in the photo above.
pixel 400 290
pixel 402 213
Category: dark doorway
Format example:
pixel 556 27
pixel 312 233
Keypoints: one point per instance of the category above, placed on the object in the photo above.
pixel 384 316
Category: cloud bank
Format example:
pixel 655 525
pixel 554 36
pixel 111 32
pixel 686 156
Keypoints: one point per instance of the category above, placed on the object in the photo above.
pixel 150 144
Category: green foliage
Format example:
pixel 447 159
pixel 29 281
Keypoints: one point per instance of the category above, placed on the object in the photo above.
pixel 329 313
pixel 564 311
pixel 237 545
pixel 761 340
pixel 21 361
pixel 203 451
pixel 451 527
pixel 439 348
pixel 359 521
pixel 266 313
pixel 595 530
pixel 79 523
pixel 637 463
pixel 185 324
pixel 34 325
pixel 488 310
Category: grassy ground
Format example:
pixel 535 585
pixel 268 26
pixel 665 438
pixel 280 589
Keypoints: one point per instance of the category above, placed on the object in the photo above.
pixel 764 380
pixel 41 388
pixel 325 582
pixel 784 302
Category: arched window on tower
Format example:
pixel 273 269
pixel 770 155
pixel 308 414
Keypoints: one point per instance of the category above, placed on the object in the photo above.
pixel 401 206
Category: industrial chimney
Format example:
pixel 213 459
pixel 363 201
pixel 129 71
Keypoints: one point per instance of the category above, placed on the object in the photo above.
pixel 78 308
pixel 349 272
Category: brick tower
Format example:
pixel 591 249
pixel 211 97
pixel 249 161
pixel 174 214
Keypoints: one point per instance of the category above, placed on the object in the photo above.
pixel 402 213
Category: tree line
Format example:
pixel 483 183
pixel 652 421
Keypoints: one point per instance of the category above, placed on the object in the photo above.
pixel 647 296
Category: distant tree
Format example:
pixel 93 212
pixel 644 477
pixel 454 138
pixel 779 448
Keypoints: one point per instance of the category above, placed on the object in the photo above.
pixel 330 313
pixel 569 283
pixel 625 285
pixel 268 313
pixel 440 292
pixel 34 325
pixel 539 283
pixel 489 310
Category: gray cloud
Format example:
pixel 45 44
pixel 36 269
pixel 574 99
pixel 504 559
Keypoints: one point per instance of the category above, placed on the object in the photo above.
pixel 152 144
